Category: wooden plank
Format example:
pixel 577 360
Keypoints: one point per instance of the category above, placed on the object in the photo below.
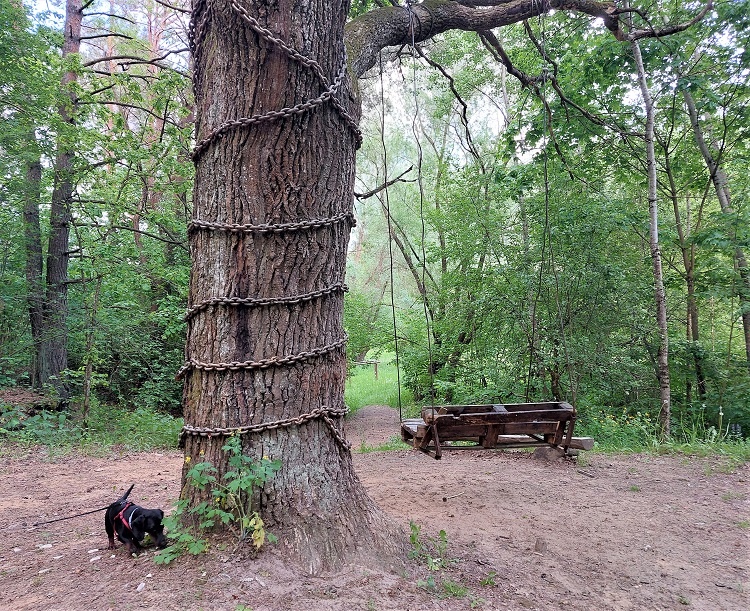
pixel 576 443
pixel 500 417
pixel 431 412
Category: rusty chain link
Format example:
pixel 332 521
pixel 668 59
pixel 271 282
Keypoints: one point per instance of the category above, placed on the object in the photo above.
pixel 271 228
pixel 324 412
pixel 197 33
pixel 305 61
pixel 252 302
pixel 274 361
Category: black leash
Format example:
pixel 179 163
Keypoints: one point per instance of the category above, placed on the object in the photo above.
pixel 78 515
pixel 85 513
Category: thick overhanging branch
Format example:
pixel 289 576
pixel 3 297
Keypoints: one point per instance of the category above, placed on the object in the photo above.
pixel 394 26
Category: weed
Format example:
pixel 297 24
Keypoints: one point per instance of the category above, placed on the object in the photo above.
pixel 490 579
pixel 106 425
pixel 431 551
pixel 635 488
pixel 454 589
pixel 744 523
pixel 230 505
pixel 427 584
pixel 476 602
pixel 683 600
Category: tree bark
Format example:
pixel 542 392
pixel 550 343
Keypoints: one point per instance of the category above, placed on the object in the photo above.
pixel 294 169
pixel 54 352
pixel 660 298
pixel 687 249
pixel 34 259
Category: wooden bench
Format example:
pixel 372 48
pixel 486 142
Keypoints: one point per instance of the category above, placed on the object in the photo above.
pixel 491 426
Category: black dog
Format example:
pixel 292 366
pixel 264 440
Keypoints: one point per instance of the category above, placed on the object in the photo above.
pixel 131 523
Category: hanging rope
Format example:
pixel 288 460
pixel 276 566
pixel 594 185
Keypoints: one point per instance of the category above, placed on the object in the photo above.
pixel 387 202
pixel 547 239
pixel 413 19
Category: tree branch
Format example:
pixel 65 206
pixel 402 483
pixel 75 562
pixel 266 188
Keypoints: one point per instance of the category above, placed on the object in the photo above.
pixel 394 26
pixel 650 32
pixel 111 15
pixel 173 7
pixel 107 35
pixel 384 186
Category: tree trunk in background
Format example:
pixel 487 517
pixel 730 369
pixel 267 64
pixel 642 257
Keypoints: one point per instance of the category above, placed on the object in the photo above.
pixel 687 249
pixel 721 186
pixel 54 353
pixel 34 261
pixel 290 170
pixel 660 298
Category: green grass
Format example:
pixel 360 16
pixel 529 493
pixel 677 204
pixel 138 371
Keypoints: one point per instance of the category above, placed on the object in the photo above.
pixel 394 443
pixel 623 433
pixel 363 389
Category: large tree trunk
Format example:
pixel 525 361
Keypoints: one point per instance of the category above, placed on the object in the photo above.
pixel 660 298
pixel 291 170
pixel 54 352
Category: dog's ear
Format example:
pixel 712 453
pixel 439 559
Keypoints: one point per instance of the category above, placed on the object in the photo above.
pixel 138 524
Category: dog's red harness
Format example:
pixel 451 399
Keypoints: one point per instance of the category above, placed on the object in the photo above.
pixel 121 516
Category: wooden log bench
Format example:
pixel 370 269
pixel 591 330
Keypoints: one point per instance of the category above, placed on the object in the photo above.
pixel 493 426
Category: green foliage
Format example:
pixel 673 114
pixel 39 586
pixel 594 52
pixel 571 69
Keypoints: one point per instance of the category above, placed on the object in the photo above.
pixel 230 505
pixel 619 431
pixel 454 589
pixel 367 325
pixel 359 7
pixel 134 430
pixel 431 551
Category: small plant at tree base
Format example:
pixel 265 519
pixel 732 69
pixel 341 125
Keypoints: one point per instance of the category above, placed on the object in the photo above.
pixel 431 551
pixel 230 505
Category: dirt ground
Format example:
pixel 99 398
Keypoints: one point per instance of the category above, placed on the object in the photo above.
pixel 609 532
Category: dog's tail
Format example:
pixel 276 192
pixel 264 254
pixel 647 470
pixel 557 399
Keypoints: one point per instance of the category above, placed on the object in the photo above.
pixel 123 498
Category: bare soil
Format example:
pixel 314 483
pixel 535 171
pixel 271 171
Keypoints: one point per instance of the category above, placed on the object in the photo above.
pixel 609 532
